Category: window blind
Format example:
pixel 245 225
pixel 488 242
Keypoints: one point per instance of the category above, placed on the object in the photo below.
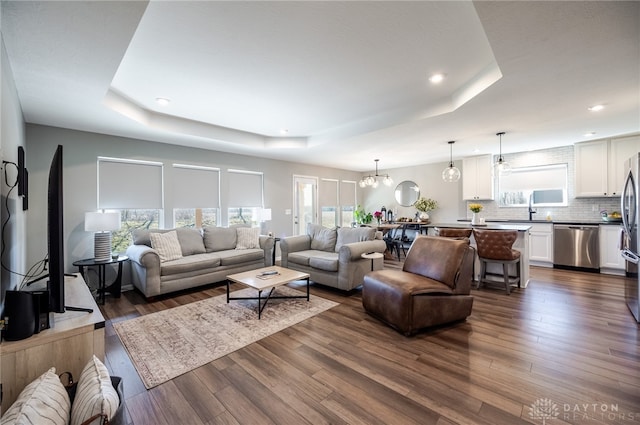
pixel 195 186
pixel 347 192
pixel 129 184
pixel 245 188
pixel 328 193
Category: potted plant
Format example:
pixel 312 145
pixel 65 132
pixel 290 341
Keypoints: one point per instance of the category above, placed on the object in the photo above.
pixel 475 209
pixel 424 205
pixel 361 216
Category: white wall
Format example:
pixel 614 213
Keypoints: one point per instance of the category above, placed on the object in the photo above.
pixel 12 135
pixel 81 150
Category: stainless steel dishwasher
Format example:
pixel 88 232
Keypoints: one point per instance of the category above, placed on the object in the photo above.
pixel 576 247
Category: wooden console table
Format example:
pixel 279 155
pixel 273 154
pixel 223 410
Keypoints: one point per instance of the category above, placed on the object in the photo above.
pixel 68 345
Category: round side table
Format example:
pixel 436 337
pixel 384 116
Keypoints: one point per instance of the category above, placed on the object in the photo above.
pixel 115 288
pixel 372 256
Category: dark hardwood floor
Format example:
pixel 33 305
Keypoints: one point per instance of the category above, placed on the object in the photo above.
pixel 563 350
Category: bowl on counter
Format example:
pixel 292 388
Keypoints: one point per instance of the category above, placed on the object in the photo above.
pixel 612 219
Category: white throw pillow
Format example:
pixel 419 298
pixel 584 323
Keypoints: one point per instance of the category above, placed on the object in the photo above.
pixel 167 245
pixel 248 237
pixel 44 400
pixel 94 395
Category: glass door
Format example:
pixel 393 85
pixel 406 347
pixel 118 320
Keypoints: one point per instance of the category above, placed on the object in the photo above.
pixel 305 194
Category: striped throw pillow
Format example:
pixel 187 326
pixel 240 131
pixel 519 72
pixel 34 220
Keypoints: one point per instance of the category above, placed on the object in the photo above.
pixel 248 237
pixel 167 245
pixel 45 400
pixel 94 395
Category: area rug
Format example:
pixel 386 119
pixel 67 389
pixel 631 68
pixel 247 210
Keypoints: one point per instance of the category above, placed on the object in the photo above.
pixel 172 342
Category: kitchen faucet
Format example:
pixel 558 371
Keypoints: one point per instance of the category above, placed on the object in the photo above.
pixel 531 211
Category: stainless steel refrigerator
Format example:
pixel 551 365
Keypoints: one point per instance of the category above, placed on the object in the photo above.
pixel 630 206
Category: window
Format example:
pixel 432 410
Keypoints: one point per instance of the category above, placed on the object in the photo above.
pixel 244 215
pixel 541 186
pixel 195 217
pixel 196 195
pixel 139 204
pixel 348 202
pixel 132 219
pixel 245 197
pixel 328 196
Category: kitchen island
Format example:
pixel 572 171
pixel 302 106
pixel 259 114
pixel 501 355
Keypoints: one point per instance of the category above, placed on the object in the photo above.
pixel 521 244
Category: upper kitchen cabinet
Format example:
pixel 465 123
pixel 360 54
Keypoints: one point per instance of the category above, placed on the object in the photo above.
pixel 620 150
pixel 477 181
pixel 599 170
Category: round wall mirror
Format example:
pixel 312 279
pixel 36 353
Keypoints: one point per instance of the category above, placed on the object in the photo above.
pixel 407 193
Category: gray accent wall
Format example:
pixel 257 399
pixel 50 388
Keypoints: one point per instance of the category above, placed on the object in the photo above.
pixel 12 135
pixel 81 150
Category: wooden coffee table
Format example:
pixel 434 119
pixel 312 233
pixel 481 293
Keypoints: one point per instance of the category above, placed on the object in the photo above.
pixel 258 280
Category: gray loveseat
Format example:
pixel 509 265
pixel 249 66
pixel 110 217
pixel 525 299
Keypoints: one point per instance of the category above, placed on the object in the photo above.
pixel 332 257
pixel 205 256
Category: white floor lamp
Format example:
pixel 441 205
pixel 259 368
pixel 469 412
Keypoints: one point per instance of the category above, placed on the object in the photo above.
pixel 102 223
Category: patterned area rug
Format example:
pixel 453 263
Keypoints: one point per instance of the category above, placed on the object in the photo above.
pixel 168 343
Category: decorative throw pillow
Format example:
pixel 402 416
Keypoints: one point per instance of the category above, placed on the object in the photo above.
pixel 322 238
pixel 95 394
pixel 248 237
pixel 191 241
pixel 219 238
pixel 45 400
pixel 167 245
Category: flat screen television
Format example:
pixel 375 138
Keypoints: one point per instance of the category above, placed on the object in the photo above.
pixel 55 221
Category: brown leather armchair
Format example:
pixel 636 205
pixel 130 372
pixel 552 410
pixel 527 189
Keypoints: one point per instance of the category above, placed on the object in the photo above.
pixel 433 287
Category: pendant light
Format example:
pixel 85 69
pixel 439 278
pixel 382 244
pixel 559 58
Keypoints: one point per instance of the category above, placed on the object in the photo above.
pixel 501 167
pixel 372 181
pixel 451 174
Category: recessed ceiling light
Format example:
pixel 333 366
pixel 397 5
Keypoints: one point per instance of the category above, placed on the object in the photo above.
pixel 163 101
pixel 284 131
pixel 436 78
pixel 596 108
pixel 589 134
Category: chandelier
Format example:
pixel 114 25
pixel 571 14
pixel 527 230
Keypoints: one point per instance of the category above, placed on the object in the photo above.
pixel 372 181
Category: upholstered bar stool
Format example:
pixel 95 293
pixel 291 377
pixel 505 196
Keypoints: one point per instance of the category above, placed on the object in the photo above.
pixel 495 246
pixel 453 233
pixel 447 232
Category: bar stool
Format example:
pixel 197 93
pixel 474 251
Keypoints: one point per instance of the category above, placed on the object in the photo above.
pixel 494 246
pixel 447 232
pixel 453 233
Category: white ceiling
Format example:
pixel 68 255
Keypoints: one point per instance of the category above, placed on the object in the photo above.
pixel 348 80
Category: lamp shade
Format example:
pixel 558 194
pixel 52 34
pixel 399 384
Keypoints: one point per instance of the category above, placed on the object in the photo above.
pixel 100 222
pixel 265 214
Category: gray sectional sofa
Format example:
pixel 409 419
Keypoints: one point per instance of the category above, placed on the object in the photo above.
pixel 204 256
pixel 333 257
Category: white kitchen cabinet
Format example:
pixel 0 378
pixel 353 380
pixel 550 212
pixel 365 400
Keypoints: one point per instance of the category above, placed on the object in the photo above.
pixel 620 150
pixel 477 181
pixel 591 168
pixel 541 244
pixel 610 259
pixel 599 165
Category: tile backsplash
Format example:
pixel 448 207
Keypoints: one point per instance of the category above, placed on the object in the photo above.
pixel 587 209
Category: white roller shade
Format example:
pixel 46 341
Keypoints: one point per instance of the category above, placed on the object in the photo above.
pixel 129 184
pixel 328 193
pixel 195 187
pixel 535 178
pixel 347 193
pixel 245 188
